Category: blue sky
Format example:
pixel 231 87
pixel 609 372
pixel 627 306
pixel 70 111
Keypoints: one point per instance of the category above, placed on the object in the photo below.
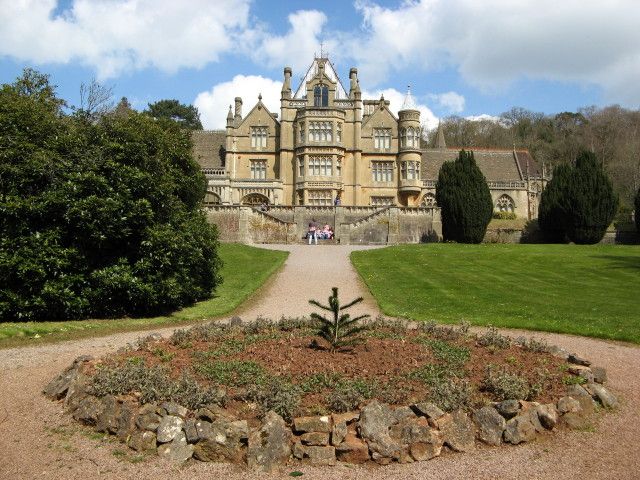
pixel 462 57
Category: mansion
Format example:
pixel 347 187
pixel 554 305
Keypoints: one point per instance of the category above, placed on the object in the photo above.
pixel 330 146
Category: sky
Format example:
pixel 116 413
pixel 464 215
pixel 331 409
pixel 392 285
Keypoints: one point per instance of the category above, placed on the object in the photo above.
pixel 471 58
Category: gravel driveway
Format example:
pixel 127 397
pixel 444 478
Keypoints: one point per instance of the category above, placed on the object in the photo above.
pixel 38 441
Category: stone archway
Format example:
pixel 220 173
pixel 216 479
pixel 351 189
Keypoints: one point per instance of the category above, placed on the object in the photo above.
pixel 211 198
pixel 254 199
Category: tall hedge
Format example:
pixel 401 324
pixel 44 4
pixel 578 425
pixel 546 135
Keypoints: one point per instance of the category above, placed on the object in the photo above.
pixel 97 219
pixel 579 203
pixel 464 198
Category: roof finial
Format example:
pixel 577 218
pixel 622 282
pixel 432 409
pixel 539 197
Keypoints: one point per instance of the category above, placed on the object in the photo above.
pixel 260 96
pixel 408 103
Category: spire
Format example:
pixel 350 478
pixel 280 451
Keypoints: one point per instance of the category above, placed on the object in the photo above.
pixel 440 143
pixel 408 103
pixel 230 117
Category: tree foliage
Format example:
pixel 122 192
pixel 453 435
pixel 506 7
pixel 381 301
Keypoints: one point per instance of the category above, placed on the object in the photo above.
pixel 186 116
pixel 579 202
pixel 637 210
pixel 97 219
pixel 341 330
pixel 465 200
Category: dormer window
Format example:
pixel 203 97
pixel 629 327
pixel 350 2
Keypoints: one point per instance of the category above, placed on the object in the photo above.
pixel 321 96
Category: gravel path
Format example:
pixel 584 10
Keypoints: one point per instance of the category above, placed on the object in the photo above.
pixel 38 441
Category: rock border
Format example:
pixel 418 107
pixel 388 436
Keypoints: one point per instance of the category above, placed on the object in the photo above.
pixel 377 433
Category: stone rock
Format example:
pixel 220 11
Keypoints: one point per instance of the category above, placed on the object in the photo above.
pixel 490 425
pixel 169 428
pixel 602 395
pixel 548 416
pixel 320 439
pixel 174 409
pixel 581 371
pixel 403 413
pixel 375 421
pixel 88 410
pixel 190 430
pixel 599 374
pixel 421 451
pixel 147 419
pixel 519 429
pixel 315 455
pixel 212 413
pixel 78 391
pixel 576 360
pixel 457 431
pixel 581 395
pixel 508 408
pixel 559 352
pixel 353 450
pixel 429 410
pixel 221 440
pixel 312 424
pixel 569 405
pixel 423 441
pixel 269 445
pixel 108 419
pixel 340 421
pixel 126 420
pixel 574 420
pixel 142 441
pixel 57 388
pixel 178 450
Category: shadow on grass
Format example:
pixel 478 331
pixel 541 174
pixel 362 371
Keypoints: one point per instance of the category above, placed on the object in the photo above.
pixel 615 261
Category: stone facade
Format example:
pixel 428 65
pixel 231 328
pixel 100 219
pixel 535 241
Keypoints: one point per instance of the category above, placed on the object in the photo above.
pixel 327 144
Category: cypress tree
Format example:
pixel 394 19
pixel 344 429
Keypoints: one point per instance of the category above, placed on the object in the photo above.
pixel 593 201
pixel 637 213
pixel 463 195
pixel 554 203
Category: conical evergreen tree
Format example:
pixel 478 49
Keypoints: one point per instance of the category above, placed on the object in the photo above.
pixel 554 203
pixel 463 195
pixel 637 213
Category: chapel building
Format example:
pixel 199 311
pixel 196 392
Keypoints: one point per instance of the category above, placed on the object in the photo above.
pixel 328 143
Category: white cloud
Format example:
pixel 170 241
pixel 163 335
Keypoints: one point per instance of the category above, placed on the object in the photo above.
pixel 452 101
pixel 494 42
pixel 396 99
pixel 483 117
pixel 114 36
pixel 213 104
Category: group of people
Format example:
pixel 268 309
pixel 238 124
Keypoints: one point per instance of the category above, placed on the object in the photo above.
pixel 315 232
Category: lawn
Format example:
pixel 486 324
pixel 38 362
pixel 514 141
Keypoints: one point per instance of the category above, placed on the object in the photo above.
pixel 245 270
pixel 584 290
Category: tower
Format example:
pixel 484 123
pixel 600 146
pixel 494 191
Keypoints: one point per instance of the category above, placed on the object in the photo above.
pixel 409 155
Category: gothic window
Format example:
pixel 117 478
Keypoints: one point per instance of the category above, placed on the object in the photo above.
pixel 410 170
pixel 259 169
pixel 258 137
pixel 381 201
pixel 339 132
pixel 321 96
pixel 320 131
pixel 301 166
pixel 301 128
pixel 321 165
pixel 429 200
pixel 382 138
pixel 412 137
pixel 382 171
pixel 403 137
pixel 505 204
pixel 320 197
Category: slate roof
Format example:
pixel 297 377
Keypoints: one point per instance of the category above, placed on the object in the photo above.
pixel 209 147
pixel 496 165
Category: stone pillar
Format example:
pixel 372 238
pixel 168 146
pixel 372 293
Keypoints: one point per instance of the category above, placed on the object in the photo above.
pixel 394 225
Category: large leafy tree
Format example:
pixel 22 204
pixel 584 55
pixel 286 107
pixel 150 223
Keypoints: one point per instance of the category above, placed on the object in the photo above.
pixel 185 115
pixel 97 219
pixel 637 212
pixel 463 195
pixel 579 203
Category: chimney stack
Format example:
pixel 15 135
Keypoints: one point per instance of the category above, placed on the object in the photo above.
pixel 238 115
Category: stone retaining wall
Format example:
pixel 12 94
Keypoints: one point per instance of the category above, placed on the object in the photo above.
pixel 377 433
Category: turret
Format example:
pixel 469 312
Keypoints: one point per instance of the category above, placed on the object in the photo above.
pixel 230 117
pixel 409 156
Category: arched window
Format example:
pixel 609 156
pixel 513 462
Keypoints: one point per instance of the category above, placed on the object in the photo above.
pixel 505 204
pixel 325 96
pixel 403 137
pixel 253 199
pixel 429 200
pixel 211 198
pixel 321 96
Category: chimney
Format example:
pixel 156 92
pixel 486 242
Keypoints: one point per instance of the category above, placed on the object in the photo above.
pixel 238 115
pixel 286 86
pixel 354 85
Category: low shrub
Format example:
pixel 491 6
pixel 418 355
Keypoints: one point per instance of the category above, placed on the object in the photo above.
pixel 494 339
pixel 449 354
pixel 233 373
pixel 349 394
pixel 451 394
pixel 533 345
pixel 277 394
pixel 504 385
pixel 505 215
pixel 444 332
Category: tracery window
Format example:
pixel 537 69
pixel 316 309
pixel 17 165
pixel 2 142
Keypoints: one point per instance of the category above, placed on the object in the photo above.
pixel 321 96
pixel 339 132
pixel 301 166
pixel 320 131
pixel 259 137
pixel 382 171
pixel 382 138
pixel 410 137
pixel 505 204
pixel 429 200
pixel 259 169
pixel 410 170
pixel 301 130
pixel 321 165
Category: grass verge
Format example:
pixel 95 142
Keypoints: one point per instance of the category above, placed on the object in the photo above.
pixel 582 290
pixel 245 270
